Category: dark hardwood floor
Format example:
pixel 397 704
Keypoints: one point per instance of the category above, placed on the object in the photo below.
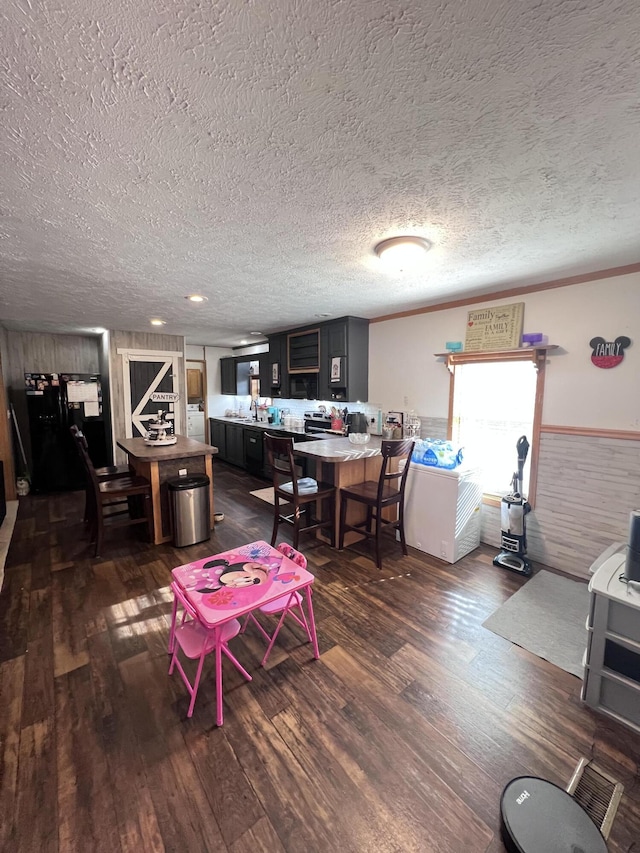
pixel 400 738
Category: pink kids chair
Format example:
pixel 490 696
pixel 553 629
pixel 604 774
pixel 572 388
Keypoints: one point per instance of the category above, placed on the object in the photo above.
pixel 285 605
pixel 196 641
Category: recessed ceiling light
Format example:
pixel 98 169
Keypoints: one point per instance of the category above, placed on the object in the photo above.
pixel 243 342
pixel 196 297
pixel 257 334
pixel 158 322
pixel 403 253
pixel 323 315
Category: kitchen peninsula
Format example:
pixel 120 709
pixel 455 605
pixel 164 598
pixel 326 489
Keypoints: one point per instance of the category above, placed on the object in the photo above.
pixel 159 464
pixel 343 464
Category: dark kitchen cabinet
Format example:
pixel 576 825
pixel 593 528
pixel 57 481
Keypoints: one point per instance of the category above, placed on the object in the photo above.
pixel 235 444
pixel 253 451
pixel 277 370
pixel 217 431
pixel 228 375
pixel 344 372
pixel 265 374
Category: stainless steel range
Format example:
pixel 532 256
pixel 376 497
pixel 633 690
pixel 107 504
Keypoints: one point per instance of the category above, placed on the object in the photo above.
pixel 318 422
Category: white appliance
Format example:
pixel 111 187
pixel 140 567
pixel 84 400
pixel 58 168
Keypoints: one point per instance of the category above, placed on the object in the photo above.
pixel 442 510
pixel 195 424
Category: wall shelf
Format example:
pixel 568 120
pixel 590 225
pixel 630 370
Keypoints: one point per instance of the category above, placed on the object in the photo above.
pixel 535 354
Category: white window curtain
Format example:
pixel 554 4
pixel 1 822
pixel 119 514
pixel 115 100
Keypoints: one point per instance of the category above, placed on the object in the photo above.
pixel 493 405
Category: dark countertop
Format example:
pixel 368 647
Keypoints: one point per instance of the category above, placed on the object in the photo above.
pixel 183 448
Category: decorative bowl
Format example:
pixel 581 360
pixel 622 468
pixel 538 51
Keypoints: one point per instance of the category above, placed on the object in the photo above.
pixel 359 437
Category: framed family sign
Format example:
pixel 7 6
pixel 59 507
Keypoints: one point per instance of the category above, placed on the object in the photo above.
pixel 495 328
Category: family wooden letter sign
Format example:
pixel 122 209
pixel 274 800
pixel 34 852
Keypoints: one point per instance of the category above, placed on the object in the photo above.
pixel 608 353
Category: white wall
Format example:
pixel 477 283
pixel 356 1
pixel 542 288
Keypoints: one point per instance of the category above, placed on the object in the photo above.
pixel 403 373
pixel 195 353
pixel 216 402
pixel 587 484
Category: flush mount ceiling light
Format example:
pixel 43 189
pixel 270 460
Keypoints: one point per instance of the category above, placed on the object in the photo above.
pixel 158 322
pixel 196 297
pixel 403 253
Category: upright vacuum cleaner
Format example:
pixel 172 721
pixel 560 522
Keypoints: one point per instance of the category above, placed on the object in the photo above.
pixel 513 511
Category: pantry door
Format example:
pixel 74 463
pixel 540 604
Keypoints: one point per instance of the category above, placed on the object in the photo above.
pixel 144 373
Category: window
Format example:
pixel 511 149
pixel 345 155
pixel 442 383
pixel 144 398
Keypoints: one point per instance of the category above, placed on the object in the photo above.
pixel 495 399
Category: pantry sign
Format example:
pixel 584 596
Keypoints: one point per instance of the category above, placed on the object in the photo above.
pixel 496 328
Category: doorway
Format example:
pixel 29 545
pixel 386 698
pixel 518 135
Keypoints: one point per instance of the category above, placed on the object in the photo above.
pixel 144 373
pixel 197 409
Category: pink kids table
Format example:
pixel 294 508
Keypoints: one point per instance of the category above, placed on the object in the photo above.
pixel 229 585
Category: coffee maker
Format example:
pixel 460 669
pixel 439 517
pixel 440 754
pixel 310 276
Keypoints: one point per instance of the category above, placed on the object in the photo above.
pixel 356 422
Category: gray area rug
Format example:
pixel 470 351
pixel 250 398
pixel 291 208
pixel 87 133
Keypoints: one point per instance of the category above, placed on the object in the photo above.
pixel 547 617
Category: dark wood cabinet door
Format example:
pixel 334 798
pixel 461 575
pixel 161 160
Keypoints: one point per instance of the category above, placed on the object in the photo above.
pixel 217 431
pixel 235 445
pixel 228 375
pixel 337 338
pixel 253 451
pixel 277 371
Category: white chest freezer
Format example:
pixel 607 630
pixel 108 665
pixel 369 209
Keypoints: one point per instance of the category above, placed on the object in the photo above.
pixel 442 510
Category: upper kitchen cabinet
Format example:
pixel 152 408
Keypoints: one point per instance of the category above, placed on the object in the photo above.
pixel 237 374
pixel 228 375
pixel 194 385
pixel 277 380
pixel 344 371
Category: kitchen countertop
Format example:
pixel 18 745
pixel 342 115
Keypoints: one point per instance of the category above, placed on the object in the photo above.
pixel 338 450
pixel 183 448
pixel 262 425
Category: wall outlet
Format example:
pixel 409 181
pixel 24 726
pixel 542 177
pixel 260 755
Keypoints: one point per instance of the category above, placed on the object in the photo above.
pixel 182 472
pixel 443 548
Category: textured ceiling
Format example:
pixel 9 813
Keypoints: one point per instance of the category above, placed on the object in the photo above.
pixel 256 152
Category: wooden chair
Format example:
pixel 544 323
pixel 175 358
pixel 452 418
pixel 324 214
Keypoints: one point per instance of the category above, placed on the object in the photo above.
pixel 377 497
pixel 286 490
pixel 106 494
pixel 108 472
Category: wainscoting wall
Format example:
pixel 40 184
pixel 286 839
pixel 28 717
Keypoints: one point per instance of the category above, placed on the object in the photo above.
pixel 587 486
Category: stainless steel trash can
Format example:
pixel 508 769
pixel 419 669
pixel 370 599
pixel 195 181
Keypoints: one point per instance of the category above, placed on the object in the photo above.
pixel 189 502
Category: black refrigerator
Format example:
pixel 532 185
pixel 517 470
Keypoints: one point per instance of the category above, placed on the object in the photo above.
pixel 56 401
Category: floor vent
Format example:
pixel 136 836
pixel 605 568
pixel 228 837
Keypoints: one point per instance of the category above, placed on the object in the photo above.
pixel 597 793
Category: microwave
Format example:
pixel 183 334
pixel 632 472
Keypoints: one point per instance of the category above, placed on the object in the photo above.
pixel 303 386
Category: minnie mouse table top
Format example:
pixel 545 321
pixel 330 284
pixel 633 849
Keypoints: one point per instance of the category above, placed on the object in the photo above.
pixel 230 584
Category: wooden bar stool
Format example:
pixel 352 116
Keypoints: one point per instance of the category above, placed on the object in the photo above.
pixel 106 494
pixel 107 472
pixel 286 490
pixel 387 492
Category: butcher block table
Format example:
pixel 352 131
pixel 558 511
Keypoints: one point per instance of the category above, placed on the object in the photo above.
pixel 159 464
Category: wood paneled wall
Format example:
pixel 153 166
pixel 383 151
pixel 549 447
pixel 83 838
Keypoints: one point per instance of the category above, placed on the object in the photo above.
pixel 140 341
pixel 6 443
pixel 33 352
